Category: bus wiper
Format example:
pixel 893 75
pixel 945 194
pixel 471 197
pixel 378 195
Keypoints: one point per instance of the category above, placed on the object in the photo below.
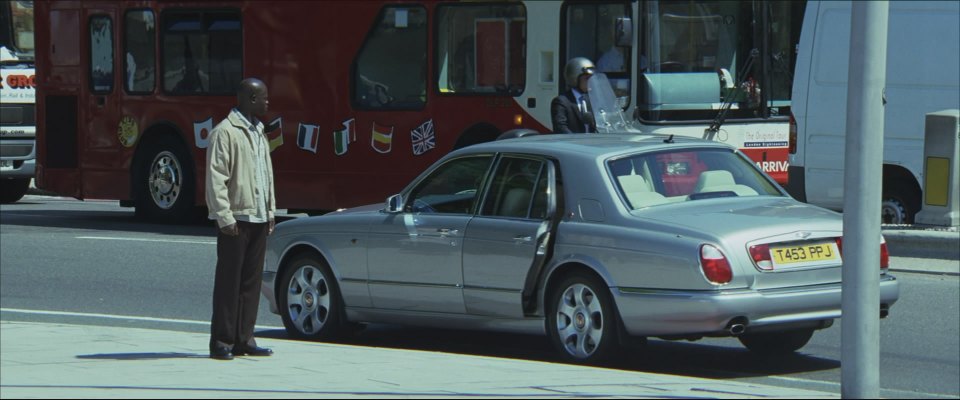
pixel 731 96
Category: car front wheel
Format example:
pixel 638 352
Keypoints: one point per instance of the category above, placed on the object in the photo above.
pixel 581 320
pixel 776 343
pixel 310 302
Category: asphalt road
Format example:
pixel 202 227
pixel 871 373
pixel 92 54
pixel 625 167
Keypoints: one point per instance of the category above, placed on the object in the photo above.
pixel 92 263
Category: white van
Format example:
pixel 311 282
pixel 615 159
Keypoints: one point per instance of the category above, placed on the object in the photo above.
pixel 923 76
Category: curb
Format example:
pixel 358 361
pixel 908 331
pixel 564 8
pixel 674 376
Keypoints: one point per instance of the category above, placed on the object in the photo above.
pixel 923 244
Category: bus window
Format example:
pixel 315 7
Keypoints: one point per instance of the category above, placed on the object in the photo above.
pixel 140 42
pixel 202 52
pixel 391 68
pixel 101 54
pixel 481 48
pixel 704 53
pixel 591 31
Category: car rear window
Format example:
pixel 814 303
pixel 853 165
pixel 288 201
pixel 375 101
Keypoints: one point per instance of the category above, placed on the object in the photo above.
pixel 652 179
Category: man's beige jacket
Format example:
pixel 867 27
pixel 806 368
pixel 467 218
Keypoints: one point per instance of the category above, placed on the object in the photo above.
pixel 231 175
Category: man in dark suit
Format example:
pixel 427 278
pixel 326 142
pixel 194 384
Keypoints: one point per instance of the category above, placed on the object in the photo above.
pixel 570 111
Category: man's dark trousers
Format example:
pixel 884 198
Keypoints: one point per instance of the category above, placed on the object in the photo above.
pixel 236 288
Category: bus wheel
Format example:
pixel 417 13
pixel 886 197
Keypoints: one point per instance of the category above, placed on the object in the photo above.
pixel 12 190
pixel 901 202
pixel 165 182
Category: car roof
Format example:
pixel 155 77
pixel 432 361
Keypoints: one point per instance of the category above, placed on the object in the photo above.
pixel 592 145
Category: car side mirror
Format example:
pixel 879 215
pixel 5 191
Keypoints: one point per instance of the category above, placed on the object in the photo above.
pixel 394 204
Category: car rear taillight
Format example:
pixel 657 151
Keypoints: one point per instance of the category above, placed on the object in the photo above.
pixel 761 256
pixel 884 253
pixel 793 135
pixel 884 256
pixel 714 264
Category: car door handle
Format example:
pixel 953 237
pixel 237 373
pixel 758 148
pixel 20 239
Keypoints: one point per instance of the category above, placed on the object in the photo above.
pixel 447 231
pixel 523 238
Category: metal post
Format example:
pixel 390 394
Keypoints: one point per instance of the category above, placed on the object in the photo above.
pixel 863 166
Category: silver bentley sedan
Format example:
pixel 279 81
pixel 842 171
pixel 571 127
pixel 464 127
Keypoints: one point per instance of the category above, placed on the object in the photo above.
pixel 592 240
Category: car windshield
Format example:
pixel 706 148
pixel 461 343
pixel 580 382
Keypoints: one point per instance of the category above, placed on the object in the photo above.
pixel 651 179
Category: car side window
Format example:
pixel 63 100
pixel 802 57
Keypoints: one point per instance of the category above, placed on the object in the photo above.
pixel 516 189
pixel 452 188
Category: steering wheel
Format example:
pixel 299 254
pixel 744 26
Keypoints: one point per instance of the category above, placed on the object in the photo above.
pixel 422 206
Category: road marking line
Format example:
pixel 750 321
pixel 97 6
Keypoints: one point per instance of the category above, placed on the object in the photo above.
pixel 110 316
pixel 149 240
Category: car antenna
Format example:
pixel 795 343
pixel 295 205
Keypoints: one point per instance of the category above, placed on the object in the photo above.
pixel 669 139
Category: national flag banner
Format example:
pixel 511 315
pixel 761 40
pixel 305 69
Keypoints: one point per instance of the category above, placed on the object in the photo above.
pixel 201 132
pixel 276 140
pixel 382 138
pixel 343 137
pixel 307 137
pixel 423 138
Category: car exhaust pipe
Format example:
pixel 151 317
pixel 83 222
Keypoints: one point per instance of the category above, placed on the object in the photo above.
pixel 737 326
pixel 736 329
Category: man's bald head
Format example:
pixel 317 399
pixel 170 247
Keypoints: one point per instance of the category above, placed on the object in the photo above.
pixel 252 97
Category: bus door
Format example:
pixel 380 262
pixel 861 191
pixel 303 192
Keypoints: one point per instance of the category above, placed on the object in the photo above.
pixel 602 32
pixel 99 106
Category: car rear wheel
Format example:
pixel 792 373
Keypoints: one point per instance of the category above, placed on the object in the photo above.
pixel 12 190
pixel 310 302
pixel 581 320
pixel 776 343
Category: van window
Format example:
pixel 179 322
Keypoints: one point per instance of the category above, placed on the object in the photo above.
pixel 202 52
pixel 390 71
pixel 481 48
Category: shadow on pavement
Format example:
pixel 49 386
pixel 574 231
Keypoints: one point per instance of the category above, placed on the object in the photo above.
pixel 700 360
pixel 124 221
pixel 139 356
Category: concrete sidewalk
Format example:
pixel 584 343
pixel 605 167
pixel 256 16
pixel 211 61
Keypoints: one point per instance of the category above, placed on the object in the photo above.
pixel 42 360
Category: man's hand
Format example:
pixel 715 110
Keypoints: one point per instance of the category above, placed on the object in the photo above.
pixel 230 230
pixel 270 227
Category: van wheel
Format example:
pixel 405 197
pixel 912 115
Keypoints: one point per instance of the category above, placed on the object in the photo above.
pixel 901 202
pixel 165 182
pixel 776 343
pixel 12 190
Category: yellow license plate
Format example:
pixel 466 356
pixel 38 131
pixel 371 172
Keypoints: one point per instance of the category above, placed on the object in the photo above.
pixel 804 254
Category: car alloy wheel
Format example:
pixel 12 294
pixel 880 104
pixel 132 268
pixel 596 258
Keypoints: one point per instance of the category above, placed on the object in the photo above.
pixel 310 302
pixel 581 319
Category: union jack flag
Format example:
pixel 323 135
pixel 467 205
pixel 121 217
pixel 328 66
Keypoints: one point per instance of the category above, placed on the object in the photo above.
pixel 423 138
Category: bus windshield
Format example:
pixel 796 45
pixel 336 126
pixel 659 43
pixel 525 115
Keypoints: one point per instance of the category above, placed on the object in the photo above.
pixel 695 56
pixel 16 31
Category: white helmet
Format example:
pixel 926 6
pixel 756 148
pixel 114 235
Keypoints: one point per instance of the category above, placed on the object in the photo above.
pixel 575 67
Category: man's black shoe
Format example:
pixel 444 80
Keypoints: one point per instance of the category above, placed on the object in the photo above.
pixel 221 353
pixel 252 351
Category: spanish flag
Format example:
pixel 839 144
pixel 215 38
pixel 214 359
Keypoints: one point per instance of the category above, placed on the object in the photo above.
pixel 382 138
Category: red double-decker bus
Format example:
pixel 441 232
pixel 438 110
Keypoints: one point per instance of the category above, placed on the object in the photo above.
pixel 364 95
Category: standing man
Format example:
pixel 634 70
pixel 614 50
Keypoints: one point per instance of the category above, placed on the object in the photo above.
pixel 240 197
pixel 570 111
